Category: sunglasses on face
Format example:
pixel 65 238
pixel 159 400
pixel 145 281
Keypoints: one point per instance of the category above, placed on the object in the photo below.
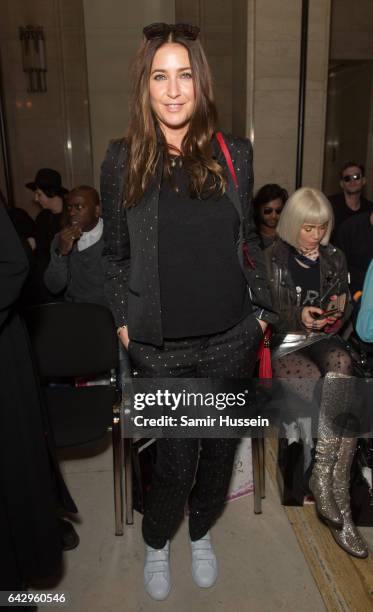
pixel 351 177
pixel 162 30
pixel 268 211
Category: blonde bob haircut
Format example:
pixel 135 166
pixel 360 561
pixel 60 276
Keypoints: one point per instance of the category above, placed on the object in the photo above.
pixel 306 205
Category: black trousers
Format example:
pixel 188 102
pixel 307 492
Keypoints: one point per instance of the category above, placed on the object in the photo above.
pixel 198 471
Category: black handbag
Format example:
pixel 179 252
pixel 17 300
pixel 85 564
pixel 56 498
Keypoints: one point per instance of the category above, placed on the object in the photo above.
pixel 292 478
pixel 290 472
pixel 361 490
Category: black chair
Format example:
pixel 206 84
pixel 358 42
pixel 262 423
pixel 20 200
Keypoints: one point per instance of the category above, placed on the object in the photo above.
pixel 73 341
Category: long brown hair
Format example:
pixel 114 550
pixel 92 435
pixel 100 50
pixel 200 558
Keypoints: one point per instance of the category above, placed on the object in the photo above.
pixel 146 140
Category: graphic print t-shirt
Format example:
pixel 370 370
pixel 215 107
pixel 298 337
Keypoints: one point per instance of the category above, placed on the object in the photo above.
pixel 307 283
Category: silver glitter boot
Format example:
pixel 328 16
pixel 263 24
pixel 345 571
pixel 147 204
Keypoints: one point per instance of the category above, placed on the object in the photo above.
pixel 321 481
pixel 348 537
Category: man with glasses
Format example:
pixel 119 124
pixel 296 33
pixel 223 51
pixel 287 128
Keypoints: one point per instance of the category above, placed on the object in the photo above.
pixel 353 231
pixel 351 202
pixel 268 204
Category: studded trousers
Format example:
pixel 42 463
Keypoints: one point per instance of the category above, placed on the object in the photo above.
pixel 197 472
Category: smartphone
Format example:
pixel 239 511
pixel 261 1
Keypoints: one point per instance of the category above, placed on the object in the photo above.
pixel 325 315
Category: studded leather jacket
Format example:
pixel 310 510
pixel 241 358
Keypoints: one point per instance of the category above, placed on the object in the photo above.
pixel 285 299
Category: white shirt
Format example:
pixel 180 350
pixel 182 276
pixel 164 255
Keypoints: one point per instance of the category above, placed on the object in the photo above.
pixel 87 239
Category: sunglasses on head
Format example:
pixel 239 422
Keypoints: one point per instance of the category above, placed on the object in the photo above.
pixel 268 211
pixel 351 177
pixel 162 30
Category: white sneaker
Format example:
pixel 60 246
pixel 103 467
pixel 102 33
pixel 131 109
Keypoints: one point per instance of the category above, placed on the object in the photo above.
pixel 157 580
pixel 204 563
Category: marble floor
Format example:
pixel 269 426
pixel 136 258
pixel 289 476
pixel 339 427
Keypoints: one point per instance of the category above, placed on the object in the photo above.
pixel 261 567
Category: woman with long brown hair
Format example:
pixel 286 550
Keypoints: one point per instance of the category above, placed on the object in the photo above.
pixel 184 274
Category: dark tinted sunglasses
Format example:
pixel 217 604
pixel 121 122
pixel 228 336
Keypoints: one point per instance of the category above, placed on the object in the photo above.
pixel 351 177
pixel 268 211
pixel 162 30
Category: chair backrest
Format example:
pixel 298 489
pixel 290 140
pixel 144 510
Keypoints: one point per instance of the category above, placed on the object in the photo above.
pixel 72 340
pixel 75 340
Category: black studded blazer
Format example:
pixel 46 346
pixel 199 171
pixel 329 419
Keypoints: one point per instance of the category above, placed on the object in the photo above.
pixel 131 243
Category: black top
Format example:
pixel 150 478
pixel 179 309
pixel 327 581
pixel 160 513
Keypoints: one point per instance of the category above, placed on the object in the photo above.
pixel 307 283
pixel 24 224
pixel 355 238
pixel 342 212
pixel 203 289
pixel 47 226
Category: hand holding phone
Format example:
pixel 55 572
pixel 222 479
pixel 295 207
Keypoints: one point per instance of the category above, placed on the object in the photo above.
pixel 335 308
pixel 334 312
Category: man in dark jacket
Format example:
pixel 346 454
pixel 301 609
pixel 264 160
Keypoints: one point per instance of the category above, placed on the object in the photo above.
pixel 350 202
pixel 49 193
pixel 355 238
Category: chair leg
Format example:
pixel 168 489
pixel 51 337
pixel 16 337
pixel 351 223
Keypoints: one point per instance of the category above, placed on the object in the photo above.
pixel 261 441
pixel 256 475
pixel 118 470
pixel 128 444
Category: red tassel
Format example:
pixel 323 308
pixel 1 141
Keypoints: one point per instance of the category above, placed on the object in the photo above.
pixel 264 356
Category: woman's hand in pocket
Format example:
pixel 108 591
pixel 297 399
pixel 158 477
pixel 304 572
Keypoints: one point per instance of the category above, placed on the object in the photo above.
pixel 263 325
pixel 123 336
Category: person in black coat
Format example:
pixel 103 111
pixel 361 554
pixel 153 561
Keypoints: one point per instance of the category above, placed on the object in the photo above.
pixel 31 486
pixel 49 193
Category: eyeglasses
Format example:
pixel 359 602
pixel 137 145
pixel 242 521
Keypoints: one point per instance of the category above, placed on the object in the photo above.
pixel 351 177
pixel 162 30
pixel 268 211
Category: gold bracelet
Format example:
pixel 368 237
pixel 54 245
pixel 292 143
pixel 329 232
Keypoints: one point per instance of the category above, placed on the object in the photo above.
pixel 119 329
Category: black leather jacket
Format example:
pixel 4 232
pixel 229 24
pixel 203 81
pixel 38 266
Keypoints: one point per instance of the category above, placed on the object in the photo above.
pixel 131 239
pixel 333 277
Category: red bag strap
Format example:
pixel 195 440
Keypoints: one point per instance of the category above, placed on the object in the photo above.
pixel 228 159
pixel 227 155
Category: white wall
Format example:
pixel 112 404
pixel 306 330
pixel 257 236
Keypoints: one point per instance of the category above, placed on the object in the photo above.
pixel 113 33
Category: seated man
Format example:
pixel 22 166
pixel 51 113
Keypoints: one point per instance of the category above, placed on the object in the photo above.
pixel 350 202
pixel 268 204
pixel 75 266
pixel 49 194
